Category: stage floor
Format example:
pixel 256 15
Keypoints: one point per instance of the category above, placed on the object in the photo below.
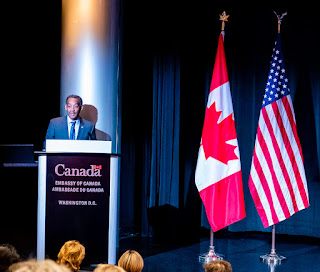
pixel 242 250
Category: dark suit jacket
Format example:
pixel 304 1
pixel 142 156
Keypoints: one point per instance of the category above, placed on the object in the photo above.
pixel 58 129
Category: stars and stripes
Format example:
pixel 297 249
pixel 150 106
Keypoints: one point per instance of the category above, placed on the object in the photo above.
pixel 277 180
pixel 277 84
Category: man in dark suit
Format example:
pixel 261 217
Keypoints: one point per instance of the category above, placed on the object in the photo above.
pixel 71 126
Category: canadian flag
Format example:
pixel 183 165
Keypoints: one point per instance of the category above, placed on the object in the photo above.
pixel 218 172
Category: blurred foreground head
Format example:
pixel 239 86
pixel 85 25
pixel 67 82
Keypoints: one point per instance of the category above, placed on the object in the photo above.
pixel 218 266
pixel 8 256
pixel 41 266
pixel 131 261
pixel 71 255
pixel 108 268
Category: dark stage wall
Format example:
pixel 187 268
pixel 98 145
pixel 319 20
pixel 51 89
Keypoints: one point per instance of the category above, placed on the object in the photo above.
pixel 31 42
pixel 30 97
pixel 168 56
pixel 168 50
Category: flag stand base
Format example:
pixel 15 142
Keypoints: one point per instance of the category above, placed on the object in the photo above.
pixel 209 256
pixel 272 258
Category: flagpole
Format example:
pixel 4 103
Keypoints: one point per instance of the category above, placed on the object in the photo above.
pixel 273 258
pixel 211 255
pixel 280 19
pixel 224 18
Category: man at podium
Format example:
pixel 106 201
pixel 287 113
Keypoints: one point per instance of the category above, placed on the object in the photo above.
pixel 72 126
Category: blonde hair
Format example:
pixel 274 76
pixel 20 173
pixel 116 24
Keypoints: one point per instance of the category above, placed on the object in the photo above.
pixel 108 268
pixel 131 261
pixel 41 266
pixel 25 266
pixel 71 254
pixel 218 266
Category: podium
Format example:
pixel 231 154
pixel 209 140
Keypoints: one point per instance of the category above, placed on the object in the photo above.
pixel 78 198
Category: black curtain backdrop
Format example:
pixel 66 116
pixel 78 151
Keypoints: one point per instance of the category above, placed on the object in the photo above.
pixel 30 97
pixel 167 56
pixel 30 75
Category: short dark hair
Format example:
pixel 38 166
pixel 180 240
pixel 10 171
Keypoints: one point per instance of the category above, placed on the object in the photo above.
pixel 74 96
pixel 8 256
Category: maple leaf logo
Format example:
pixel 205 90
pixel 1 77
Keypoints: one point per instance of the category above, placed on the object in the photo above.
pixel 215 136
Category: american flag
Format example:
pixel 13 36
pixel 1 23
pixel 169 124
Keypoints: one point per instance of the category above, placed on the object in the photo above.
pixel 277 180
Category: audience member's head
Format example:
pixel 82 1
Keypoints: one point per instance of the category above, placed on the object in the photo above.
pixel 108 268
pixel 218 266
pixel 51 266
pixel 131 261
pixel 8 256
pixel 71 255
pixel 25 266
pixel 41 266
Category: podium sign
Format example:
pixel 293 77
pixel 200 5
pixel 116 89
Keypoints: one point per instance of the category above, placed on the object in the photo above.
pixel 78 204
pixel 77 199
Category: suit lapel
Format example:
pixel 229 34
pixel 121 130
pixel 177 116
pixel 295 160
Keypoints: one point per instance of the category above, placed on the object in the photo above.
pixel 65 128
pixel 81 128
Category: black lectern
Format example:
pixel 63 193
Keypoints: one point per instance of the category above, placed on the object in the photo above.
pixel 77 199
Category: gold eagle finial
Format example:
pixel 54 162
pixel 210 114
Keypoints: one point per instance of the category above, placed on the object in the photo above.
pixel 280 17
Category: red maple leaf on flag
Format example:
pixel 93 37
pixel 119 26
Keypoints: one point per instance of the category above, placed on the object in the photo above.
pixel 215 135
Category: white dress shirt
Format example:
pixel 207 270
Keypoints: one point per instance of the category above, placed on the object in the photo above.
pixel 77 125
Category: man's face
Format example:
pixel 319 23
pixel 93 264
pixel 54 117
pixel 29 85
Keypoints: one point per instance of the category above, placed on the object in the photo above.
pixel 73 108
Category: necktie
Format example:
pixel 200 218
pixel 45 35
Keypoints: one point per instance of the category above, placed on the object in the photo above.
pixel 72 131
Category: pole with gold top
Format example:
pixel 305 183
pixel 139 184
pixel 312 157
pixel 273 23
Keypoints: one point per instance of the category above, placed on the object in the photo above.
pixel 273 259
pixel 280 19
pixel 211 255
pixel 224 18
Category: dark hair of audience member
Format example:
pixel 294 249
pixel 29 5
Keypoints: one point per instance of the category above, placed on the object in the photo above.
pixel 131 261
pixel 8 256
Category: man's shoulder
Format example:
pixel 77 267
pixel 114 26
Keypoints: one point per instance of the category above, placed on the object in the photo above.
pixel 86 122
pixel 58 120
